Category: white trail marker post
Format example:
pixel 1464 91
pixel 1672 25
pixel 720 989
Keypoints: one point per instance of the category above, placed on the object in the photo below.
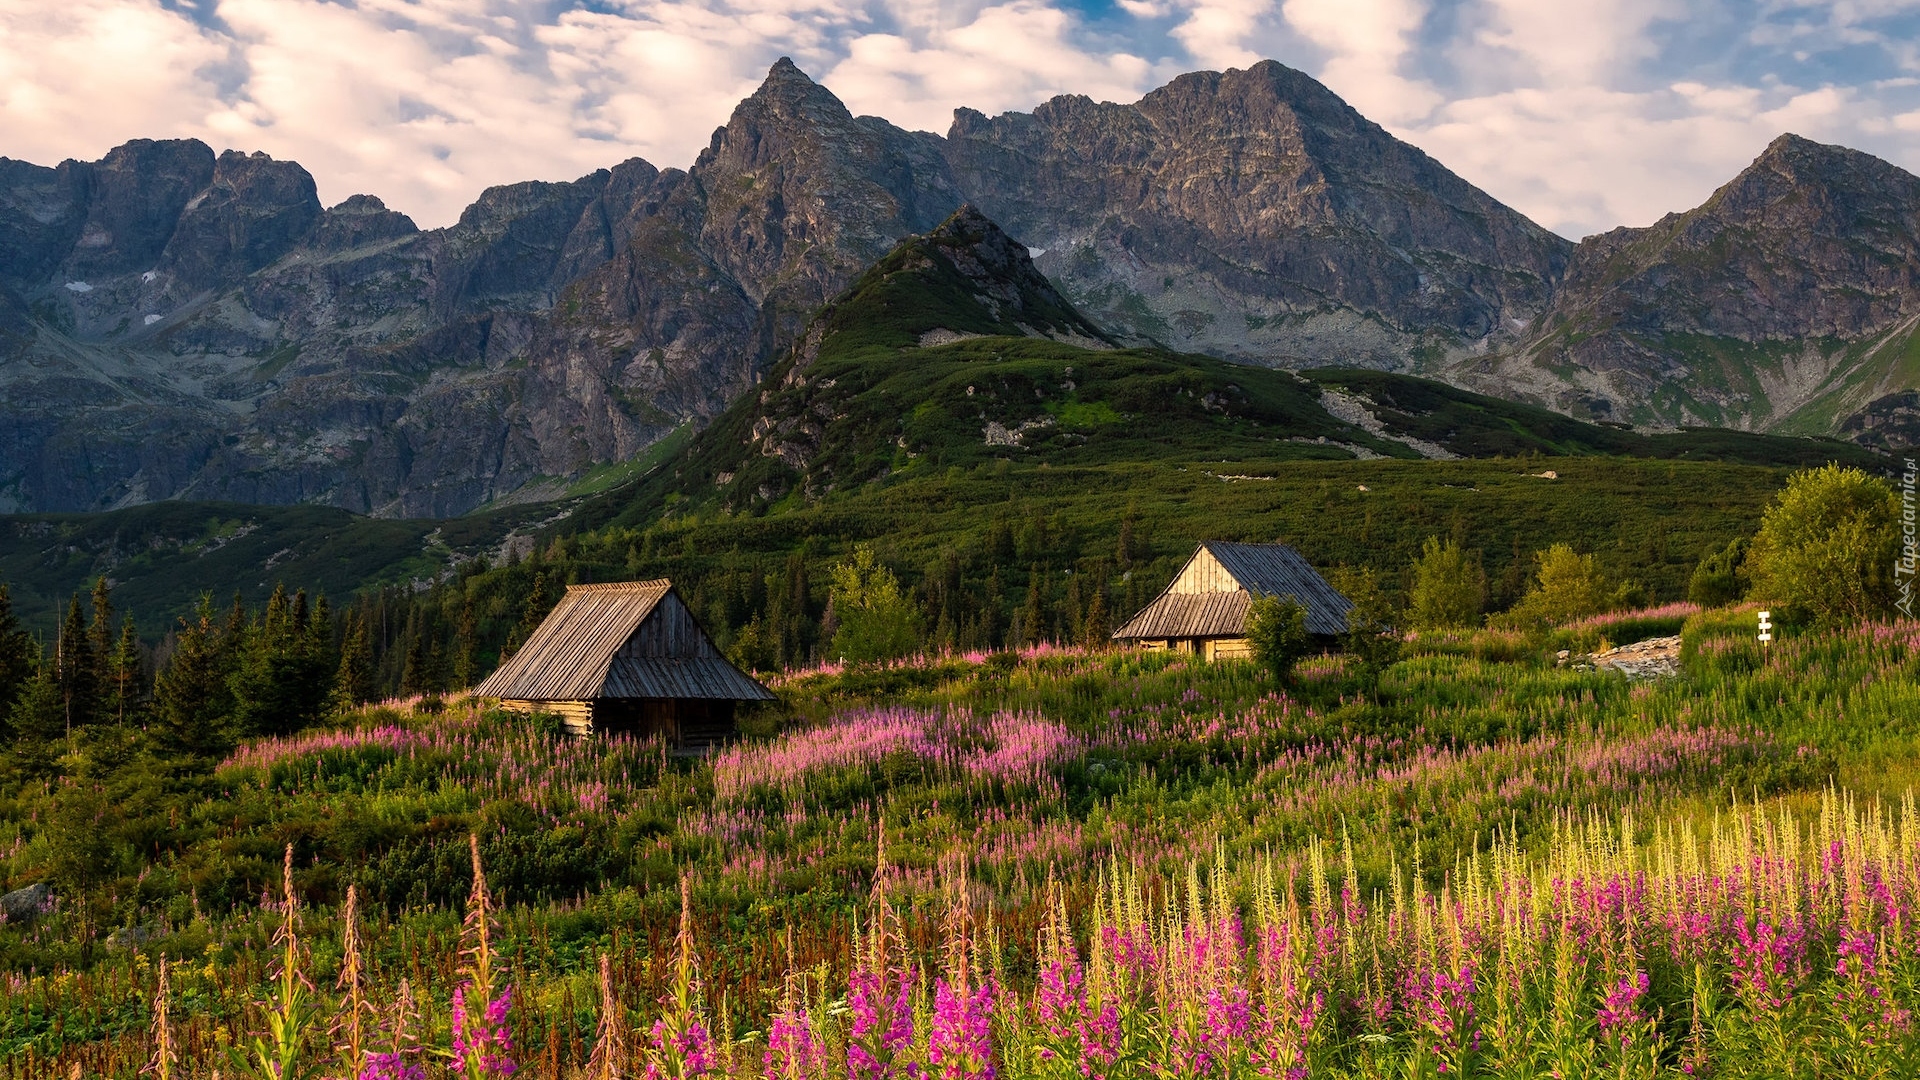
pixel 1766 627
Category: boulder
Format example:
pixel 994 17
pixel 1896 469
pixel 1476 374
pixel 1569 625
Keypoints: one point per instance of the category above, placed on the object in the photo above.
pixel 22 905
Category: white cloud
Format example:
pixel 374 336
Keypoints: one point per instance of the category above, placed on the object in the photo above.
pixel 1008 56
pixel 81 75
pixel 1583 115
pixel 1368 42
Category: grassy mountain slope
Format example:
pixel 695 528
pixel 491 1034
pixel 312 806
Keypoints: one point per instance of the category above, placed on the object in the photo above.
pixel 1474 425
pixel 953 351
pixel 160 557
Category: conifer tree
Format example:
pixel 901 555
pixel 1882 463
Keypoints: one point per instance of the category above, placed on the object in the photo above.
pixel 1097 629
pixel 18 654
pixel 76 670
pixel 354 682
pixel 283 680
pixel 193 705
pixel 100 638
pixel 38 722
pixel 413 674
pixel 1033 615
pixel 126 686
pixel 466 633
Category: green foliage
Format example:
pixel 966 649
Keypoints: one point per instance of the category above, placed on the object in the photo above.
pixel 1826 548
pixel 77 669
pixel 283 680
pixel 193 704
pixel 17 653
pixel 1474 425
pixel 876 620
pixel 1372 637
pixel 37 723
pixel 1449 587
pixel 1566 586
pixel 1277 631
pixel 1721 577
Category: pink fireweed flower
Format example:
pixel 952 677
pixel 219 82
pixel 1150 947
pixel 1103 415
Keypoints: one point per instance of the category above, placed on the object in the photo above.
pixel 792 1050
pixel 882 1026
pixel 1071 1027
pixel 390 1066
pixel 483 1044
pixel 961 1044
pixel 1441 1003
pixel 1223 1025
pixel 1862 995
pixel 692 1049
pixel 1767 962
pixel 1621 1014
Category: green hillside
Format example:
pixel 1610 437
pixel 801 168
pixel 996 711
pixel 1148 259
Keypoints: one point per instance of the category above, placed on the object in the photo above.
pixel 162 556
pixel 952 409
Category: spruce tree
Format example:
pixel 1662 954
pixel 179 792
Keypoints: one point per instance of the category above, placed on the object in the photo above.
pixel 18 654
pixel 100 638
pixel 126 685
pixel 283 680
pixel 465 641
pixel 192 704
pixel 1033 616
pixel 76 669
pixel 1096 629
pixel 38 723
pixel 354 681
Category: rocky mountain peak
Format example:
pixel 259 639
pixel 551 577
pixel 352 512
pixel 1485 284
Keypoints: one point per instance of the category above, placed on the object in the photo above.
pixel 789 95
pixel 1252 213
pixel 1715 315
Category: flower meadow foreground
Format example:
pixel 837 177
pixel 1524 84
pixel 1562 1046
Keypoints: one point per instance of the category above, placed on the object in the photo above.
pixel 1066 864
pixel 1762 945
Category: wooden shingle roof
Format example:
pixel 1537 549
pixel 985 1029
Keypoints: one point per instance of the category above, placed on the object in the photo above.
pixel 1256 570
pixel 624 640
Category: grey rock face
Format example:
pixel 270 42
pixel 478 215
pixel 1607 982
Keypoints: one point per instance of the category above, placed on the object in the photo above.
pixel 1254 214
pixel 1740 311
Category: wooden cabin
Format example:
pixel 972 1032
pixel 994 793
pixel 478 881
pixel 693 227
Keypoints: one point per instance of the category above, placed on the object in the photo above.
pixel 1204 610
pixel 626 657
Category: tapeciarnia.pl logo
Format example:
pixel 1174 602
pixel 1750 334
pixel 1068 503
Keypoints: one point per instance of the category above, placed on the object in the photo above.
pixel 1903 567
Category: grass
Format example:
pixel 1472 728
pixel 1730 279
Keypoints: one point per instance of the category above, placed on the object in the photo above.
pixel 1097 771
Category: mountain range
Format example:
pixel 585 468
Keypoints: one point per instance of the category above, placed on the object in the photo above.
pixel 176 324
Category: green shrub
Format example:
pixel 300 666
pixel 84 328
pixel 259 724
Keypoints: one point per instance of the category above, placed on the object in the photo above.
pixel 1826 548
pixel 1449 589
pixel 1721 577
pixel 877 621
pixel 1277 630
pixel 1566 586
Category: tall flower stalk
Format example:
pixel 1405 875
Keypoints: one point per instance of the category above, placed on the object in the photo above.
pixel 165 1054
pixel 682 1047
pixel 482 1037
pixel 284 1051
pixel 349 1030
pixel 610 1041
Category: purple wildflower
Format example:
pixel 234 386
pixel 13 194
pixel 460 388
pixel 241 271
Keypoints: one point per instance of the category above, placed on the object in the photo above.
pixel 961 1044
pixel 390 1066
pixel 483 1045
pixel 882 1023
pixel 692 1049
pixel 1621 1015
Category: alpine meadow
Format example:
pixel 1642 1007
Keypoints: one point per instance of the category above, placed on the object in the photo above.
pixel 1189 589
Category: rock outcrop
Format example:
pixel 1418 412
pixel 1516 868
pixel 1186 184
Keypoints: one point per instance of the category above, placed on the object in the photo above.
pixel 1255 215
pixel 1742 312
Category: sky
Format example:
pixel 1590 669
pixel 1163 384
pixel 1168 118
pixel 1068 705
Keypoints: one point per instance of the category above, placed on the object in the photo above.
pixel 1582 114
